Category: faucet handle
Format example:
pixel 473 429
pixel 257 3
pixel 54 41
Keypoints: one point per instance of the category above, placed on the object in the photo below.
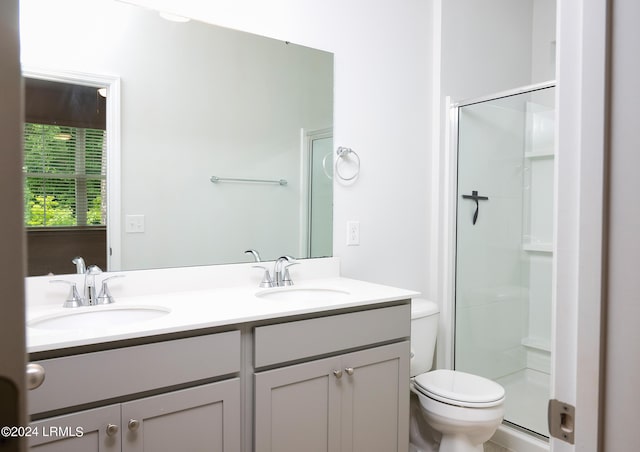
pixel 286 277
pixel 74 299
pixel 93 270
pixel 266 278
pixel 105 296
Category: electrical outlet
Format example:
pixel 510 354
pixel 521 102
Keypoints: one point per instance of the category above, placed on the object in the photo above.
pixel 134 223
pixel 353 233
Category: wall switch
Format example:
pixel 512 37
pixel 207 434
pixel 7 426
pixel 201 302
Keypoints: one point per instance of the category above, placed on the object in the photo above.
pixel 353 233
pixel 134 223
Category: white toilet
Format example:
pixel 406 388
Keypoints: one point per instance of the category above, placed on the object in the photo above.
pixel 463 410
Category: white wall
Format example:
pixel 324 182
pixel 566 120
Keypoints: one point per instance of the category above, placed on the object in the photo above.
pixel 197 101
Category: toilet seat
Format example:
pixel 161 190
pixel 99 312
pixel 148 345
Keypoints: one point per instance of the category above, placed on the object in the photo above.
pixel 459 388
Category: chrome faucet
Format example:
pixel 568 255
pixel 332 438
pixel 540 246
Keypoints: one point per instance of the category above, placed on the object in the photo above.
pixel 281 271
pixel 281 276
pixel 80 265
pixel 90 293
pixel 255 253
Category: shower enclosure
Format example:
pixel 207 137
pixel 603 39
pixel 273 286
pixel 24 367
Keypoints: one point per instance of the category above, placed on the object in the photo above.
pixel 503 248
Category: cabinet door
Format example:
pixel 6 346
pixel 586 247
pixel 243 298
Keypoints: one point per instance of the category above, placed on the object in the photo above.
pixel 297 408
pixel 84 431
pixel 204 418
pixel 375 399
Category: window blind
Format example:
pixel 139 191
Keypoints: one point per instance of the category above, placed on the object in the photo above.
pixel 65 176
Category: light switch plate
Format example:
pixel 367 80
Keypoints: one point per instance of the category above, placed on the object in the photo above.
pixel 134 223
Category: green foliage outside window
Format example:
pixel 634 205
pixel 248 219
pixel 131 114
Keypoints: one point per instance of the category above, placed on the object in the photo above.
pixel 64 176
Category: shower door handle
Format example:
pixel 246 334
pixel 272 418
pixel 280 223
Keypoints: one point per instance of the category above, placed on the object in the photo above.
pixel 474 196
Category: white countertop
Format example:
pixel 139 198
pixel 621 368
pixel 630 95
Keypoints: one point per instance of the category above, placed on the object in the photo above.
pixel 191 310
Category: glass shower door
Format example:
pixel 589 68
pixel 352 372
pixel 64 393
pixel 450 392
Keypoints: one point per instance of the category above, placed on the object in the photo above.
pixel 503 248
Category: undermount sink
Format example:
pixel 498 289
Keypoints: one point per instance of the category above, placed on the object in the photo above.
pixel 303 294
pixel 91 317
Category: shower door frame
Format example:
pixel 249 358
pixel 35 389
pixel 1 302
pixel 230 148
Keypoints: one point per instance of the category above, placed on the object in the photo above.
pixel 446 347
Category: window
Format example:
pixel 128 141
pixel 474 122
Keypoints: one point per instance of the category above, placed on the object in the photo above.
pixel 64 155
pixel 65 176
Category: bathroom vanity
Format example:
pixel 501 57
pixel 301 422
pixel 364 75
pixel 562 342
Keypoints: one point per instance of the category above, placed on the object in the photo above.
pixel 322 365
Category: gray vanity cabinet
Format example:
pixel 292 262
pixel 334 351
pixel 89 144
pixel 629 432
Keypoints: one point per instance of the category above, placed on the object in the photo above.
pixel 298 408
pixel 202 418
pixel 59 434
pixel 199 417
pixel 350 402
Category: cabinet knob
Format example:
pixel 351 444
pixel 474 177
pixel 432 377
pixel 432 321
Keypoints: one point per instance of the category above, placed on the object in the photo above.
pixel 35 375
pixel 337 373
pixel 133 424
pixel 112 429
pixel 349 371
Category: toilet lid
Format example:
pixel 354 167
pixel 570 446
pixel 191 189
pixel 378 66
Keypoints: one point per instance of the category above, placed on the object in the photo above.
pixel 460 388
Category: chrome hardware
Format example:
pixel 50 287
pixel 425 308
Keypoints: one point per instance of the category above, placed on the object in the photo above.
pixel 266 278
pixel 346 154
pixel 90 295
pixel 281 271
pixel 80 265
pixel 90 298
pixel 35 375
pixel 216 179
pixel 112 429
pixel 105 296
pixel 73 299
pixel 349 371
pixel 337 373
pixel 281 275
pixel 133 425
pixel 255 253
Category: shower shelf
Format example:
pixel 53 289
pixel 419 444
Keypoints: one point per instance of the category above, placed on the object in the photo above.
pixel 537 343
pixel 539 155
pixel 538 247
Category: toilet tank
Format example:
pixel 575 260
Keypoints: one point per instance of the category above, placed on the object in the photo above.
pixel 424 330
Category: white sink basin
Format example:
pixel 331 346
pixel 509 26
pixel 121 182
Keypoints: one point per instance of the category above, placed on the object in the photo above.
pixel 92 317
pixel 303 294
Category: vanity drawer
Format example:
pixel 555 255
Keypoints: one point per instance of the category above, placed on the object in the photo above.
pixel 91 377
pixel 285 342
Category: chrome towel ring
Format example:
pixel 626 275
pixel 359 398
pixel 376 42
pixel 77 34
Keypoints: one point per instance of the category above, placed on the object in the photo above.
pixel 345 155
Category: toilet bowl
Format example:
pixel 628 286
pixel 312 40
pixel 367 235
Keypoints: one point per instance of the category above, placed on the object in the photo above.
pixel 462 410
pixel 465 409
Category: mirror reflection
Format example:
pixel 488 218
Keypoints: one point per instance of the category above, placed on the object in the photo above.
pixel 196 101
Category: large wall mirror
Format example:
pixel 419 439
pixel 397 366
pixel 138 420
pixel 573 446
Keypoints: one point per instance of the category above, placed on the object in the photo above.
pixel 195 101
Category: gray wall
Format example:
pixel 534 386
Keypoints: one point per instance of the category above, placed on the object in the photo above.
pixel 12 358
pixel 623 295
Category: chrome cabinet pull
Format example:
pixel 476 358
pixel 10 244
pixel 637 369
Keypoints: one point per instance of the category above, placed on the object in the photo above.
pixel 35 375
pixel 133 425
pixel 112 429
pixel 337 373
pixel 349 371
